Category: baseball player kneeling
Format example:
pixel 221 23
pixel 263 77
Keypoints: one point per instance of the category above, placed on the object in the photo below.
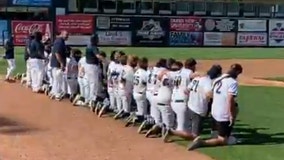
pixel 125 86
pixel 179 97
pixel 139 92
pixel 165 115
pixel 224 109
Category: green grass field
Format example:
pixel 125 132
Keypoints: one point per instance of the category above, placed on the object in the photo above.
pixel 262 108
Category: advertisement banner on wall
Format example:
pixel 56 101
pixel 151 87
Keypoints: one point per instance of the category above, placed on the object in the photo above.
pixel 3 31
pixel 185 38
pixel 116 38
pixel 219 39
pixel 75 24
pixel 276 33
pixel 113 23
pixel 186 24
pixel 31 2
pixel 252 39
pixel 150 31
pixel 252 25
pixel 22 29
pixel 220 25
pixel 80 40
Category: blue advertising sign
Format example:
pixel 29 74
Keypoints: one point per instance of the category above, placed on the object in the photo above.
pixel 3 31
pixel 185 38
pixel 32 2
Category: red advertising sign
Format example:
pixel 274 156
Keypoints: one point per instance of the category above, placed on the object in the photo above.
pixel 22 29
pixel 186 24
pixel 75 24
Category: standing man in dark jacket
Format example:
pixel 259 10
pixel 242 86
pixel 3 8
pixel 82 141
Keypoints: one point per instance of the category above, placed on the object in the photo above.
pixel 26 57
pixel 58 64
pixel 36 61
pixel 92 69
pixel 10 57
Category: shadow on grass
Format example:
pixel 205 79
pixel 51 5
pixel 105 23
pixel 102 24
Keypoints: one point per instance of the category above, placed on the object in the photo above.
pixel 245 133
pixel 11 127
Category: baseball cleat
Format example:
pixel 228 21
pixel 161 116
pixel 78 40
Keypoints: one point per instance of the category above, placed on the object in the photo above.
pixel 197 142
pixel 166 135
pixel 142 127
pixel 130 120
pixel 102 110
pixel 77 98
pixel 153 130
pixel 98 107
pixel 118 115
pixel 92 106
pixel 51 96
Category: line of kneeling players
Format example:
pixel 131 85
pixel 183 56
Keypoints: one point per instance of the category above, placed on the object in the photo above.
pixel 164 99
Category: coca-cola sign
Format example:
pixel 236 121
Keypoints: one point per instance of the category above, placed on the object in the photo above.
pixel 21 29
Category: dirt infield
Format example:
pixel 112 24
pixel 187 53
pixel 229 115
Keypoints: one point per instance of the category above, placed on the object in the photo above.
pixel 32 127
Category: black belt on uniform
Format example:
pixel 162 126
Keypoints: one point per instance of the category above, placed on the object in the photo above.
pixel 140 93
pixel 71 77
pixel 155 94
pixel 161 104
pixel 179 101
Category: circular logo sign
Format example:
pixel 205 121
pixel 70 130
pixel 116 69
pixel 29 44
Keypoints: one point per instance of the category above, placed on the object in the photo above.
pixel 209 24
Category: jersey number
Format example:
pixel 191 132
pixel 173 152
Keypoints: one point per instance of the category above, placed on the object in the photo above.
pixel 194 85
pixel 136 80
pixel 218 87
pixel 177 81
pixel 152 78
pixel 166 82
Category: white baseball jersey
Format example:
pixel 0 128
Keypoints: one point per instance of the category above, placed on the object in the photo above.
pixel 71 67
pixel 155 83
pixel 221 91
pixel 127 74
pixel 116 74
pixel 110 71
pixel 165 88
pixel 140 81
pixel 198 101
pixel 81 64
pixel 181 82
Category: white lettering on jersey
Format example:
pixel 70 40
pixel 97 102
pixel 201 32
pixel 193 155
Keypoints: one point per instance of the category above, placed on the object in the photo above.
pixel 198 101
pixel 221 91
pixel 140 81
pixel 126 74
pixel 181 82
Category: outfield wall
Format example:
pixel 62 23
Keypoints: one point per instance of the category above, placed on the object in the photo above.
pixel 155 31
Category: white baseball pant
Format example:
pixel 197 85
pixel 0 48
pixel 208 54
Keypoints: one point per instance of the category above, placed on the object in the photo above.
pixel 124 101
pixel 84 87
pixel 163 114
pixel 92 75
pixel 37 72
pixel 111 98
pixel 141 103
pixel 72 85
pixel 153 108
pixel 28 73
pixel 182 116
pixel 64 84
pixel 57 75
pixel 11 67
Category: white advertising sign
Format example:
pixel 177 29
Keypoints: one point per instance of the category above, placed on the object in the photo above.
pixel 252 25
pixel 252 39
pixel 79 40
pixel 276 33
pixel 114 37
